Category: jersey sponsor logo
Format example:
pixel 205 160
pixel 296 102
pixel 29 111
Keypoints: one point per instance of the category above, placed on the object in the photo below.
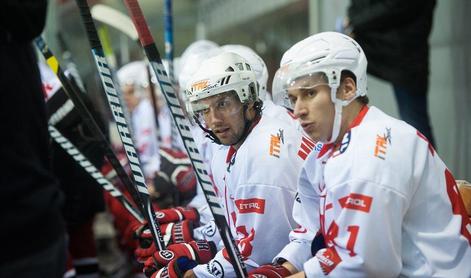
pixel 356 202
pixel 382 142
pixel 328 259
pixel 215 268
pixel 275 143
pixel 166 254
pixel 252 205
pixel 305 147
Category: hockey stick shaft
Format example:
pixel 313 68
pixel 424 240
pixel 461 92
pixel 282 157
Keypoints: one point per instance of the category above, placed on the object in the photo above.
pixel 124 133
pixel 168 34
pixel 73 92
pixel 93 171
pixel 183 126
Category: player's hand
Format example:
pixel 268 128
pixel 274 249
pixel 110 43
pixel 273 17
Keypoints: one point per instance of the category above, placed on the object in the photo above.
pixel 177 268
pixel 177 214
pixel 180 232
pixel 269 271
pixel 200 251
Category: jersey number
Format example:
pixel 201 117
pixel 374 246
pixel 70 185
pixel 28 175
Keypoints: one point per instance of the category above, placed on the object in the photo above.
pixel 333 232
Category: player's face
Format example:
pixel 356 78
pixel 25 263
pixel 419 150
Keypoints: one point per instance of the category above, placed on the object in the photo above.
pixel 223 114
pixel 313 107
pixel 129 97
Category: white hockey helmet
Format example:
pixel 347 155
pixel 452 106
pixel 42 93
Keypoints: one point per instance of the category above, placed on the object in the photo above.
pixel 135 74
pixel 223 73
pixel 327 54
pixel 197 47
pixel 257 64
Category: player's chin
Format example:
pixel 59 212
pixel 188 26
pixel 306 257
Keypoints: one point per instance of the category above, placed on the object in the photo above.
pixel 227 140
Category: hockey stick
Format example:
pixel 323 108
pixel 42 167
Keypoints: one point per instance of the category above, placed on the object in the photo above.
pixel 93 171
pixel 183 126
pixel 168 34
pixel 124 133
pixel 123 23
pixel 73 92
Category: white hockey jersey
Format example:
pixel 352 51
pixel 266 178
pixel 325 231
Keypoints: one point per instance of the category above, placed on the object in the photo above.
pixel 388 206
pixel 206 148
pixel 298 251
pixel 257 184
pixel 145 136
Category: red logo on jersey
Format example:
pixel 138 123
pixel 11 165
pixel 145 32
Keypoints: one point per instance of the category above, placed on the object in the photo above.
pixel 328 259
pixel 251 205
pixel 244 244
pixel 356 202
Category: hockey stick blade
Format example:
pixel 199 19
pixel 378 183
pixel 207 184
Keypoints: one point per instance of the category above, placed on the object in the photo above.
pixel 115 19
pixel 183 126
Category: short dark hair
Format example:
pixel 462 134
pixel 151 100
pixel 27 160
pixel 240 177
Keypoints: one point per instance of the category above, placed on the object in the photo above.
pixel 346 73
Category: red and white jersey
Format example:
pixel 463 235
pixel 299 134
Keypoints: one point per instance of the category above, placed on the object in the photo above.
pixel 298 251
pixel 388 205
pixel 145 136
pixel 257 184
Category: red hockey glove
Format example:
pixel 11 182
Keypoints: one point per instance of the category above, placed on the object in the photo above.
pixel 180 232
pixel 175 269
pixel 200 251
pixel 177 214
pixel 270 271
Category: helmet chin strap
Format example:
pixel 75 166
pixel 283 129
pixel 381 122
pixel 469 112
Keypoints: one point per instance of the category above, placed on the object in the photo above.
pixel 338 107
pixel 209 133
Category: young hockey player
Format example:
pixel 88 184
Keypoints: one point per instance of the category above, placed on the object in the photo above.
pixel 387 204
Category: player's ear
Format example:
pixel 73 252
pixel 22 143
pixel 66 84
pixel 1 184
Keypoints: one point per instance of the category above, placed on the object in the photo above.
pixel 347 89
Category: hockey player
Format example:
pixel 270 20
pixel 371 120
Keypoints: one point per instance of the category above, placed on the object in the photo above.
pixel 254 170
pixel 377 181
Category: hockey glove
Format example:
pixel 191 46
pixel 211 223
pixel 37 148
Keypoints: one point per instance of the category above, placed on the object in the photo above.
pixel 200 251
pixel 177 214
pixel 180 232
pixel 270 271
pixel 175 269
